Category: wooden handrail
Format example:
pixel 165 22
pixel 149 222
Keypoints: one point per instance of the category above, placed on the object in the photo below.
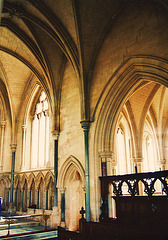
pixel 148 179
pixel 132 181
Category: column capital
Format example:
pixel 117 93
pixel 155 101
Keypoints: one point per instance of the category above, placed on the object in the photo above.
pixel 105 154
pixel 24 127
pixel 84 189
pixel 137 160
pixel 162 161
pixel 3 123
pixel 13 147
pixel 55 134
pixel 85 124
pixel 62 190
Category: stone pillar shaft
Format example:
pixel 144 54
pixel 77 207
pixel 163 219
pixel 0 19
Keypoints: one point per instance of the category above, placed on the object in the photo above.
pixel 29 198
pixel 3 124
pixel 24 128
pixel 46 199
pixel 13 147
pixel 85 125
pixel 138 169
pixel 62 205
pixel 107 163
pixel 55 136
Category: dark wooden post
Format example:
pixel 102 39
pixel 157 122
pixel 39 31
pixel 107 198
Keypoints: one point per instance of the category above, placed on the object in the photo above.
pixel 104 197
pixel 82 220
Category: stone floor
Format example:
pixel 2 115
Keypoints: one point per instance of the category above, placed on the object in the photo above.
pixel 25 227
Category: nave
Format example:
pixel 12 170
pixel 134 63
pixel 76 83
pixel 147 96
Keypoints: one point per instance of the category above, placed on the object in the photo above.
pixel 83 95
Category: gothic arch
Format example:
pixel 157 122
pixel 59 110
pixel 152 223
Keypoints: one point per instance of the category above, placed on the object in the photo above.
pixel 129 77
pixel 23 180
pixel 5 180
pixel 17 180
pixel 34 91
pixel 3 111
pixel 71 164
pixel 47 178
pixel 38 178
pixel 30 179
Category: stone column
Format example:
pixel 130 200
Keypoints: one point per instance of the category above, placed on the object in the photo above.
pixel 114 164
pixel 55 215
pixel 163 164
pixel 22 198
pixel 107 163
pixel 86 125
pixel 7 197
pixel 29 191
pixel 46 143
pixel 62 207
pixel 138 164
pixel 13 148
pixel 15 197
pixel 46 198
pixel 3 124
pixel 24 129
pixel 55 135
pixel 37 201
pixel 138 169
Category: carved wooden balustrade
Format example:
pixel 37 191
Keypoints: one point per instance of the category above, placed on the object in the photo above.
pixel 138 217
pixel 147 180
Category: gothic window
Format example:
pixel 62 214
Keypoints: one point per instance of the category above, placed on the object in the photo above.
pixel 40 134
pixel 123 152
pixel 149 163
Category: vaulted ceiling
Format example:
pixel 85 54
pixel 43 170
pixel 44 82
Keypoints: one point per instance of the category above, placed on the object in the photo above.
pixel 38 37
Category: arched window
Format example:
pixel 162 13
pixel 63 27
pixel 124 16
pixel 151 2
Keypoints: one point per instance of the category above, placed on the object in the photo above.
pixel 123 152
pixel 40 134
pixel 149 161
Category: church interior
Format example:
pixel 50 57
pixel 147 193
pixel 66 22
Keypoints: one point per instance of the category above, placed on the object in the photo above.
pixel 83 101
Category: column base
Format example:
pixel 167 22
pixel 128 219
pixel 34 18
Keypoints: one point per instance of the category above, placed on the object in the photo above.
pixel 55 218
pixel 62 224
pixel 11 209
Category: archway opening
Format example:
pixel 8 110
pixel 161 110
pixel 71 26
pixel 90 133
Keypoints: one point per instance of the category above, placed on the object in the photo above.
pixel 74 198
pixel 141 131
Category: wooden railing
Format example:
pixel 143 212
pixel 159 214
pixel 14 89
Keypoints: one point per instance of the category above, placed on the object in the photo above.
pixel 139 217
pixel 132 182
pixel 68 235
pixel 147 179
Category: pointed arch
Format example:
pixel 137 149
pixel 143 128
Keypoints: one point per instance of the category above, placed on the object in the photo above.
pixel 30 179
pixel 23 180
pixel 35 90
pixel 70 164
pixel 6 180
pixel 38 178
pixel 17 180
pixel 131 75
pixel 47 178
